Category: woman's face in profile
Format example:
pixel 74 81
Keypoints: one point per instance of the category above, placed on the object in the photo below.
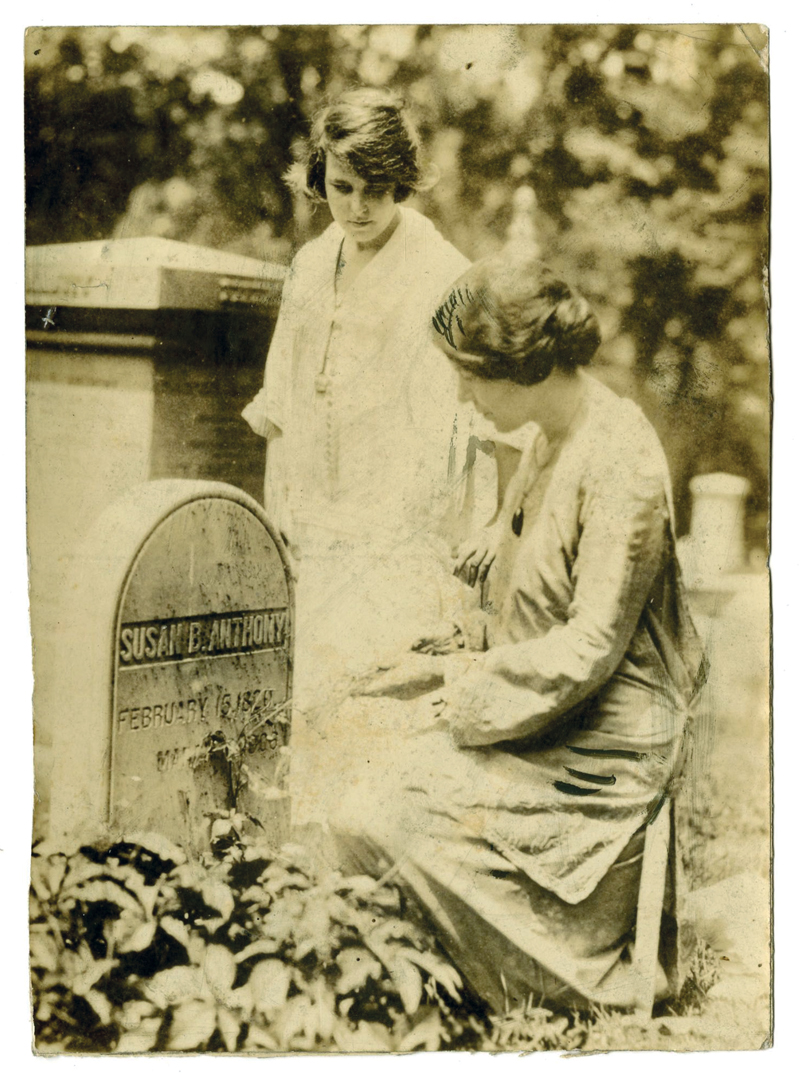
pixel 504 403
pixel 362 209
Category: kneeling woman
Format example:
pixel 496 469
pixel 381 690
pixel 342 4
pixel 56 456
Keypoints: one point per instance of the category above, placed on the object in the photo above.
pixel 515 808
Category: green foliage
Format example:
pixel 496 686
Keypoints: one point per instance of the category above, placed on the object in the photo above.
pixel 533 1027
pixel 134 948
pixel 646 148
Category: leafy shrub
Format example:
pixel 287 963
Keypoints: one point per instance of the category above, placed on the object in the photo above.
pixel 135 948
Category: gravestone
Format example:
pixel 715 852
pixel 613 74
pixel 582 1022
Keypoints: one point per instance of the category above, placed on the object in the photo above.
pixel 174 667
pixel 141 353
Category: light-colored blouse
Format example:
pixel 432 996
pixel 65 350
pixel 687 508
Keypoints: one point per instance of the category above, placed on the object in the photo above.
pixel 370 469
pixel 588 595
pixel 365 441
pixel 569 725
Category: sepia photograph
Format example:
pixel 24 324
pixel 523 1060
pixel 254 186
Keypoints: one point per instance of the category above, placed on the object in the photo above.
pixel 398 475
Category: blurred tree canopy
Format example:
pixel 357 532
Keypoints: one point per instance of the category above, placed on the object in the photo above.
pixel 646 148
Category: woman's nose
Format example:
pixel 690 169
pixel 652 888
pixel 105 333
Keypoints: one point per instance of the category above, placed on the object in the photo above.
pixel 464 390
pixel 359 204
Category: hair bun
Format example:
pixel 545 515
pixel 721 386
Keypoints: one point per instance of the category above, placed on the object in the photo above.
pixel 517 320
pixel 579 330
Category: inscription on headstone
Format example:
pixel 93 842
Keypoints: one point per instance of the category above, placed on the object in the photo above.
pixel 200 643
pixel 202 664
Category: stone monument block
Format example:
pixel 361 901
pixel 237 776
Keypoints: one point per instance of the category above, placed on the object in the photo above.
pixel 141 353
pixel 174 667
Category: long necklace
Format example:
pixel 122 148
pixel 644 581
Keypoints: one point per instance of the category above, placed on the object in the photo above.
pixel 528 480
pixel 323 380
pixel 541 450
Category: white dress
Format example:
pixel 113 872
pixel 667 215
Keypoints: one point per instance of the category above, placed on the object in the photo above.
pixel 370 462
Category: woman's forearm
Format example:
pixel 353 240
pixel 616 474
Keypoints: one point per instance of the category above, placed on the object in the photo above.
pixel 519 689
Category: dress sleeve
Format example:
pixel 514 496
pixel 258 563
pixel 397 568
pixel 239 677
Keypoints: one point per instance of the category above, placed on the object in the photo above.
pixel 520 690
pixel 266 414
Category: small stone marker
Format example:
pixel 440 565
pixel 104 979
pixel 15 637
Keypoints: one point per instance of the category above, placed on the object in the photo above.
pixel 175 667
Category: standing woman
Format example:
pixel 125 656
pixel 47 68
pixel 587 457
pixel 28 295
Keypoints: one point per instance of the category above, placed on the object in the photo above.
pixel 363 469
pixel 515 811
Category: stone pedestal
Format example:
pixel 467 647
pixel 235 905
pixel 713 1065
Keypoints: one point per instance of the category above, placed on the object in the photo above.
pixel 141 354
pixel 715 547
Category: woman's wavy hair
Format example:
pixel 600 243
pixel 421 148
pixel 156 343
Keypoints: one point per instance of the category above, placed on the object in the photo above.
pixel 509 317
pixel 370 132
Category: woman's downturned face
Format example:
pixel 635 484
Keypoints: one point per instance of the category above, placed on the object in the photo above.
pixel 363 210
pixel 502 402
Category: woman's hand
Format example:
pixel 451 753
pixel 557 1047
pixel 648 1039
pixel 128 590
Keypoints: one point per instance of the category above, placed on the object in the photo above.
pixel 413 675
pixel 477 554
pixel 431 713
pixel 443 642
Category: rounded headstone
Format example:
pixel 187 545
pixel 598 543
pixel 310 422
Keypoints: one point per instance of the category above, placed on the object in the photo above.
pixel 174 666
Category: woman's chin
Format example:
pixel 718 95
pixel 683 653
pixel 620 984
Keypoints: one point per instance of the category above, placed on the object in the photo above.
pixel 503 426
pixel 361 232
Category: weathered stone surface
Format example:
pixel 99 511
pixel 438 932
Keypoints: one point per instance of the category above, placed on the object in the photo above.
pixel 141 354
pixel 174 668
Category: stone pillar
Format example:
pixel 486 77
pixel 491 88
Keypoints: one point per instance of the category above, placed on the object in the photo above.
pixel 716 545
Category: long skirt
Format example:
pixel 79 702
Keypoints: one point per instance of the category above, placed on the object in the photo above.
pixel 510 936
